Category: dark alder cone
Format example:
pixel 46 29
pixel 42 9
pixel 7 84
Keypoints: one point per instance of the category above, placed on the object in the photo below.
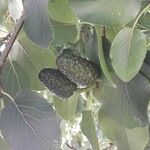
pixel 57 82
pixel 79 70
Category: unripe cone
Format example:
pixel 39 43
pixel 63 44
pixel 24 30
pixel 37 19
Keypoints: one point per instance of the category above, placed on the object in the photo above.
pixel 57 82
pixel 79 70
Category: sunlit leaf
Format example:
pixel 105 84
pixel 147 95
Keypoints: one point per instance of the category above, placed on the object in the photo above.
pixel 106 12
pixel 15 8
pixel 88 128
pixel 66 109
pixel 128 52
pixel 137 138
pixel 64 15
pixel 23 65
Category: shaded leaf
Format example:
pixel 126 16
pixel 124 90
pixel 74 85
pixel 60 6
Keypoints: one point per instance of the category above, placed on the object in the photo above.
pixel 30 123
pixel 104 65
pixel 89 39
pixel 63 33
pixel 145 70
pixel 127 103
pixel 106 12
pixel 88 128
pixel 128 52
pixel 145 20
pixel 64 15
pixel 37 24
pixel 66 109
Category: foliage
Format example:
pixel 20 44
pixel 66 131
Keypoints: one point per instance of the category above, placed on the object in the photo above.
pixel 113 35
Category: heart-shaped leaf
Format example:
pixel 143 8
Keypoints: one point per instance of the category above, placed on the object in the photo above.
pixel 127 103
pixel 106 12
pixel 128 52
pixel 37 24
pixel 30 123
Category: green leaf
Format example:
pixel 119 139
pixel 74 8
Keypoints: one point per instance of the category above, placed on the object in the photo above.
pixel 147 147
pixel 88 128
pixel 66 109
pixel 23 65
pixel 3 144
pixel 137 138
pixel 104 65
pixel 3 9
pixel 145 70
pixel 29 122
pixel 33 59
pixel 88 43
pixel 59 10
pixel 63 33
pixel 106 12
pixel 37 24
pixel 112 130
pixel 125 139
pixel 128 52
pixel 109 127
pixel 14 78
pixel 145 20
pixel 15 8
pixel 127 103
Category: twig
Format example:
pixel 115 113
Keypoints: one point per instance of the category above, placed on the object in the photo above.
pixel 104 32
pixel 70 146
pixel 9 43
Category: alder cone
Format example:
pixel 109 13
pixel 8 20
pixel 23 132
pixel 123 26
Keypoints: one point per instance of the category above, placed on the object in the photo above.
pixel 57 82
pixel 79 70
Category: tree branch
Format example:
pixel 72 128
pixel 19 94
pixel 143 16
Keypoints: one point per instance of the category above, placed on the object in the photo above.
pixel 9 43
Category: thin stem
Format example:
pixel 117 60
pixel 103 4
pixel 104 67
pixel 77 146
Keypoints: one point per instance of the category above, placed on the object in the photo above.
pixel 137 19
pixel 89 101
pixel 11 41
pixel 7 95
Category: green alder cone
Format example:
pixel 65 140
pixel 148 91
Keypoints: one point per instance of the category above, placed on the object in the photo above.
pixel 79 70
pixel 57 82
